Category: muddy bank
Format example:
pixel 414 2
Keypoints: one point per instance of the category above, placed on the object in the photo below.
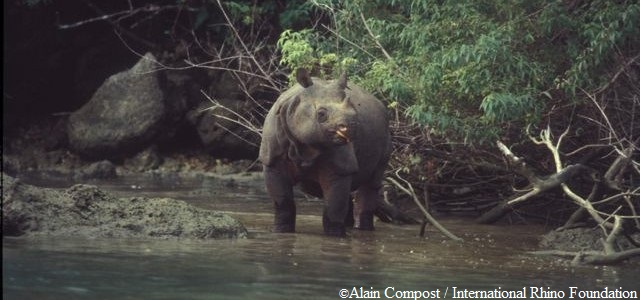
pixel 583 239
pixel 86 211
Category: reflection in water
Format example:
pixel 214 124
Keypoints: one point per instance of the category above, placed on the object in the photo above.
pixel 282 266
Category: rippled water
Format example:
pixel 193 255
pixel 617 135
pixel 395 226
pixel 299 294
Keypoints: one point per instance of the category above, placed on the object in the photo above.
pixel 283 266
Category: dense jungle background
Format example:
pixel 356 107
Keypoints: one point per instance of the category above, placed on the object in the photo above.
pixel 506 111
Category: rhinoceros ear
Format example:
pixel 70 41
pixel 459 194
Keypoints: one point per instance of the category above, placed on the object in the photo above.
pixel 303 78
pixel 342 81
pixel 276 136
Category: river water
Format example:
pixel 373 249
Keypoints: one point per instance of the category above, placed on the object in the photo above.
pixel 307 265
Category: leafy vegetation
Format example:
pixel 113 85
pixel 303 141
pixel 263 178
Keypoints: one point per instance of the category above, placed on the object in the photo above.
pixel 468 69
pixel 461 75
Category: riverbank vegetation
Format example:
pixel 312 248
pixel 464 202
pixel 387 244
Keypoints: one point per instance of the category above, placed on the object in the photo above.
pixel 499 106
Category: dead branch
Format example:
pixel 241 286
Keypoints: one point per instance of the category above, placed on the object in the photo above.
pixel 354 44
pixel 238 118
pixel 387 212
pixel 608 243
pixel 375 39
pixel 518 163
pixel 611 223
pixel 125 13
pixel 613 79
pixel 244 46
pixel 612 176
pixel 538 185
pixel 245 51
pixel 545 139
pixel 581 212
pixel 408 189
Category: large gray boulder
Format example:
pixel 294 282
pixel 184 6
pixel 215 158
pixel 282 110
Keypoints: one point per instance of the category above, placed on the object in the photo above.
pixel 123 115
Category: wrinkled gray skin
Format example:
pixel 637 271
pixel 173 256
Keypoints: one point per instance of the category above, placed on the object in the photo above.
pixel 332 138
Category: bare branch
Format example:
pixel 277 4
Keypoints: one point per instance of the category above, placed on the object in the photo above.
pixel 128 13
pixel 617 74
pixel 408 189
pixel 375 39
pixel 617 167
pixel 518 163
pixel 240 120
pixel 538 185
pixel 246 49
pixel 348 41
pixel 612 131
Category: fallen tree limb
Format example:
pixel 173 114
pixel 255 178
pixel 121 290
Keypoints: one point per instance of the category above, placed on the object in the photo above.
pixel 387 212
pixel 538 185
pixel 409 191
pixel 545 139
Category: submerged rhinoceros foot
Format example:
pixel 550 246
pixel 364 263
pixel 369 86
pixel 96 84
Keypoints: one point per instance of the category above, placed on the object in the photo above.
pixel 284 228
pixel 364 225
pixel 333 228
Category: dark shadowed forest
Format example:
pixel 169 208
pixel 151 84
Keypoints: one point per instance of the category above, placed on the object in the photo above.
pixel 506 112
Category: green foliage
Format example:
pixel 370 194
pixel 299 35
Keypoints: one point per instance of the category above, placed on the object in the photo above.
pixel 298 52
pixel 595 33
pixel 243 12
pixel 467 68
pixel 498 107
pixel 296 49
pixel 294 14
pixel 262 15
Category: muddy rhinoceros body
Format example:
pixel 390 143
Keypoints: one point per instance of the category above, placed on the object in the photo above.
pixel 332 138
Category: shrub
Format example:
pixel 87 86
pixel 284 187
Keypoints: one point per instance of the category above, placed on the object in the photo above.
pixel 470 69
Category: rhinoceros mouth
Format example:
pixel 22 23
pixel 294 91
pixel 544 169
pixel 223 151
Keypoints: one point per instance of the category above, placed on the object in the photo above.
pixel 341 135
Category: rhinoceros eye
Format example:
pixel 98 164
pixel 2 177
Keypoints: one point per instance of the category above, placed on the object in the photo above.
pixel 322 115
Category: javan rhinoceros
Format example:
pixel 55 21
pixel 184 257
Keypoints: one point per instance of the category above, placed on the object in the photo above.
pixel 332 138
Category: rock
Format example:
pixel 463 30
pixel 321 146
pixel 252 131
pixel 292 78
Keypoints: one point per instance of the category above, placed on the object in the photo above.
pixel 123 115
pixel 98 170
pixel 56 138
pixel 146 160
pixel 86 211
pixel 223 138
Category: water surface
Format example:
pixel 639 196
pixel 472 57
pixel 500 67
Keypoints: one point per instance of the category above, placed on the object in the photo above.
pixel 283 266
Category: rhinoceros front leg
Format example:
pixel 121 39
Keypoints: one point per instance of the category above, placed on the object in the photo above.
pixel 280 190
pixel 336 191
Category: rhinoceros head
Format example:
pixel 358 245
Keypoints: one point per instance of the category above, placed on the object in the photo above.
pixel 321 114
